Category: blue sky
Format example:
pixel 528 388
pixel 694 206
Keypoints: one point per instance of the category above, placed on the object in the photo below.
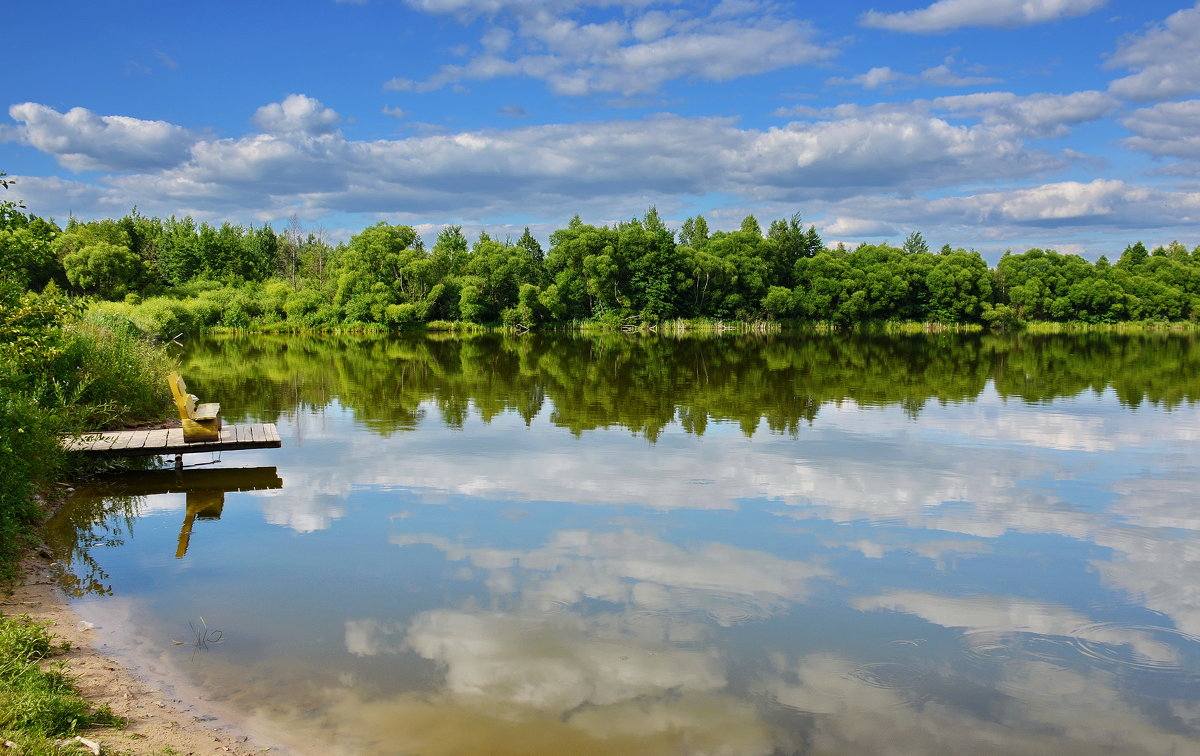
pixel 986 124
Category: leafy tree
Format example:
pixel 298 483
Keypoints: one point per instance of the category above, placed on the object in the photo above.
pixel 788 242
pixel 960 287
pixel 531 245
pixel 694 232
pixel 27 245
pixel 105 269
pixel 915 244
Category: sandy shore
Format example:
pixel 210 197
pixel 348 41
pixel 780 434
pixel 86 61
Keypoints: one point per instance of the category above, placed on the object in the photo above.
pixel 156 721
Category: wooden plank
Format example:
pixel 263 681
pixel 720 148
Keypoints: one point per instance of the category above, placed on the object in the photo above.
pixel 126 439
pixel 170 441
pixel 156 438
pixel 103 441
pixel 138 439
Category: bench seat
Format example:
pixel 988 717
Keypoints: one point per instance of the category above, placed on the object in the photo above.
pixel 201 422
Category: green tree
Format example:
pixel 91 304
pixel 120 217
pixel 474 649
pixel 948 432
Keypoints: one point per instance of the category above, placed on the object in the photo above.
pixel 27 245
pixel 107 270
pixel 915 244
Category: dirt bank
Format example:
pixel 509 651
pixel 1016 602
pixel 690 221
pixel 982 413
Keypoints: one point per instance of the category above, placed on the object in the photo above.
pixel 156 722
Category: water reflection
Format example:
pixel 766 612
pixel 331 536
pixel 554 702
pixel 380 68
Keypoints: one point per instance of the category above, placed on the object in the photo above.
pixel 649 383
pixel 112 503
pixel 623 545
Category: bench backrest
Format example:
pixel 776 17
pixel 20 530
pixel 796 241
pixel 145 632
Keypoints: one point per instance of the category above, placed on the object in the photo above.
pixel 184 402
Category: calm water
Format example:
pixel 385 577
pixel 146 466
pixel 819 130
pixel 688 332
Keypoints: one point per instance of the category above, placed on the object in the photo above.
pixel 634 545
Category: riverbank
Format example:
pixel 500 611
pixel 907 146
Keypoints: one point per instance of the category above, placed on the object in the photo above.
pixel 161 718
pixel 156 724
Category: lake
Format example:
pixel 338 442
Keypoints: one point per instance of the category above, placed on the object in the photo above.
pixel 706 544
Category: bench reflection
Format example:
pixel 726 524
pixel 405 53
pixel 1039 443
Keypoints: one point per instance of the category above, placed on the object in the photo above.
pixel 205 490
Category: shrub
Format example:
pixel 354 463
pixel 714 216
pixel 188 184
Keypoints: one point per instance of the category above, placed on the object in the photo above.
pixel 29 452
pixel 163 317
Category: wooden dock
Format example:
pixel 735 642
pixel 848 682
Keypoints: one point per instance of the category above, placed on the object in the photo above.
pixel 147 443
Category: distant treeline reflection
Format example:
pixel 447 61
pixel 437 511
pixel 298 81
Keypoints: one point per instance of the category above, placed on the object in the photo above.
pixel 645 383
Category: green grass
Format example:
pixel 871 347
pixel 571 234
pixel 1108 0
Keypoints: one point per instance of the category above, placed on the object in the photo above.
pixel 39 703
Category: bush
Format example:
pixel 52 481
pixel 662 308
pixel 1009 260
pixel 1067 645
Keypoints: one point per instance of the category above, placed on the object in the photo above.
pixel 401 314
pixel 29 452
pixel 61 374
pixel 163 317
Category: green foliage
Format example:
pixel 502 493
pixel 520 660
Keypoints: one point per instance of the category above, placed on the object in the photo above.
pixel 104 269
pixel 58 374
pixel 38 704
pixel 179 276
pixel 29 453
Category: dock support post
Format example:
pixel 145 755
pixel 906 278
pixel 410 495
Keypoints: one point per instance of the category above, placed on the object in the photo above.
pixel 178 461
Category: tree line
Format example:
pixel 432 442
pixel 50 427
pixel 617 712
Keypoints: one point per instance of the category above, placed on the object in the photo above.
pixel 635 271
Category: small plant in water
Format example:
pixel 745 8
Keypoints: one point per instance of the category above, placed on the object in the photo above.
pixel 203 637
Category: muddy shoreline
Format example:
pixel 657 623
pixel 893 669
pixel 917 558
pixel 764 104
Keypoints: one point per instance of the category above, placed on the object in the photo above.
pixel 161 712
pixel 157 719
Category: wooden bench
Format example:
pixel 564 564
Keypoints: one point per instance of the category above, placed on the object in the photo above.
pixel 201 422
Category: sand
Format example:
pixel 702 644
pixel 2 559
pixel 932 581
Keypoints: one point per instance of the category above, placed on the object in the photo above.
pixel 155 721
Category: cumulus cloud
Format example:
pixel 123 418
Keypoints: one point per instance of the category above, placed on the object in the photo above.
pixel 946 15
pixel 301 165
pixel 1170 129
pixel 1041 115
pixel 1163 58
pixel 297 114
pixel 630 56
pixel 942 75
pixel 1101 203
pixel 82 141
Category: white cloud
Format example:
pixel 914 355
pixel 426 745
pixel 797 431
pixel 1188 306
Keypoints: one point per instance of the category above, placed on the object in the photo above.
pixel 1170 129
pixel 628 57
pixel 1041 115
pixel 946 15
pixel 619 165
pixel 83 141
pixel 884 149
pixel 503 657
pixel 1101 203
pixel 943 76
pixel 874 78
pixel 1164 58
pixel 297 114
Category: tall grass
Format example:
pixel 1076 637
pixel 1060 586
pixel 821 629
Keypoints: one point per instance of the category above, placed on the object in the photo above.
pixel 61 373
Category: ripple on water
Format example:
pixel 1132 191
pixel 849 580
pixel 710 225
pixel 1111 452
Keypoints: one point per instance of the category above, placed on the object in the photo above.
pixel 989 646
pixel 909 682
pixel 1168 660
pixel 1148 649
